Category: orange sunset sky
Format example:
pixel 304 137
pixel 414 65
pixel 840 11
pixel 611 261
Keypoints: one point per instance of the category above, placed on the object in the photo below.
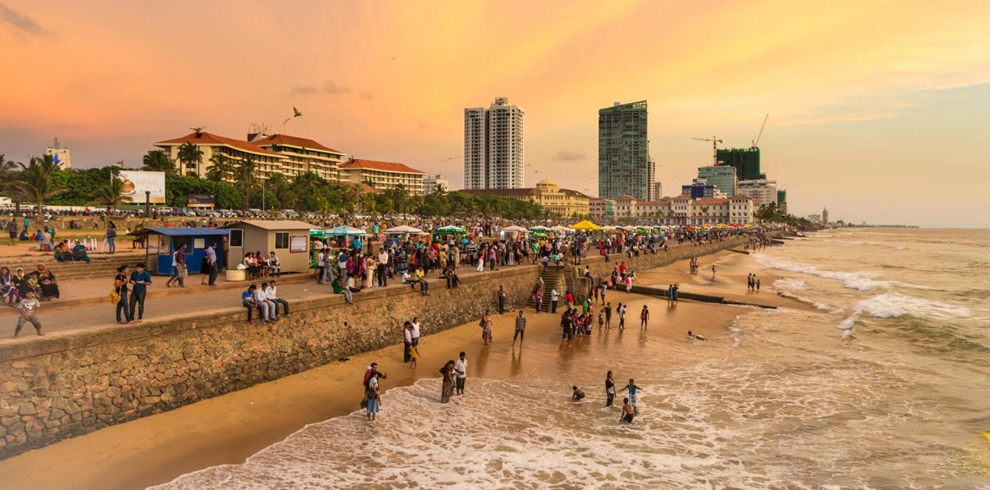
pixel 878 109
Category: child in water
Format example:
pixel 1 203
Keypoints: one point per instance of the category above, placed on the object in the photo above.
pixel 577 395
pixel 413 356
pixel 628 412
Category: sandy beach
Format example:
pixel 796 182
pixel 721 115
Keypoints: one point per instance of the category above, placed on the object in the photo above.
pixel 230 428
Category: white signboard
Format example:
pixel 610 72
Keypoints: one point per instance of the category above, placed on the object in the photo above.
pixel 137 183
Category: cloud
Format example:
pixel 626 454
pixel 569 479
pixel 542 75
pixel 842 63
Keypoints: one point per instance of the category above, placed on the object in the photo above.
pixel 331 87
pixel 304 90
pixel 19 21
pixel 569 155
pixel 366 96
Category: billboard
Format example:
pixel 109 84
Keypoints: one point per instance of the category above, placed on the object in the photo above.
pixel 201 201
pixel 136 183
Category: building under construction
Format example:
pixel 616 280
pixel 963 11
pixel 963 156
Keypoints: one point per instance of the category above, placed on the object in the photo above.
pixel 746 161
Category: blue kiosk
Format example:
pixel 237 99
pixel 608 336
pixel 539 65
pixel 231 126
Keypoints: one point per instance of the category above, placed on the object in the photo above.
pixel 163 241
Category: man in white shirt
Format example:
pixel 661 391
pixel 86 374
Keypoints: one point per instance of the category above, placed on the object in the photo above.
pixel 460 371
pixel 380 270
pixel 554 296
pixel 415 331
pixel 273 297
pixel 321 267
pixel 261 299
pixel 269 298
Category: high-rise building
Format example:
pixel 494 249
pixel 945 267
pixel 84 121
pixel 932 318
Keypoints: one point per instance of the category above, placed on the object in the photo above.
pixel 721 176
pixel 494 153
pixel 825 216
pixel 762 190
pixel 624 164
pixel 430 183
pixel 746 161
pixel 475 162
pixel 657 191
pixel 61 156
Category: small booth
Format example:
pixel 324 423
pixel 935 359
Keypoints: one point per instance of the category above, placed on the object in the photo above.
pixel 162 242
pixel 288 239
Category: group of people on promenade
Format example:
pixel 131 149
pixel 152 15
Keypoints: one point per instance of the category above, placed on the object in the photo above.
pixel 264 299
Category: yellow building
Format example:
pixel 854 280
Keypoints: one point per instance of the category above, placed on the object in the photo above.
pixel 302 155
pixel 563 202
pixel 267 162
pixel 382 175
pixel 280 153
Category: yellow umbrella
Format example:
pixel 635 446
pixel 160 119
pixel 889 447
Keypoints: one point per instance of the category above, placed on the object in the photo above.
pixel 586 226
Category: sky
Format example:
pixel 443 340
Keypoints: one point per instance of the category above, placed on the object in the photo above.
pixel 877 109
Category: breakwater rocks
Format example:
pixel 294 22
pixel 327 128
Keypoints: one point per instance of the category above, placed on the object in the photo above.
pixel 68 385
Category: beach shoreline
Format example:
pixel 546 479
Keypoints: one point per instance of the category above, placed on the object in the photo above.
pixel 232 427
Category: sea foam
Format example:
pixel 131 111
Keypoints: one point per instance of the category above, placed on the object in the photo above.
pixel 893 305
pixel 851 280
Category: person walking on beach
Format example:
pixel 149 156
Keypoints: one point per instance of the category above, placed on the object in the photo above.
pixel 406 342
pixel 501 299
pixel 27 310
pixel 757 284
pixel 628 412
pixel 520 329
pixel 373 395
pixel 447 387
pixel 140 279
pixel 608 316
pixel 644 318
pixel 460 371
pixel 609 389
pixel 633 390
pixel 415 331
pixel 621 310
pixel 670 295
pixel 713 272
pixel 674 294
pixel 120 287
pixel 486 328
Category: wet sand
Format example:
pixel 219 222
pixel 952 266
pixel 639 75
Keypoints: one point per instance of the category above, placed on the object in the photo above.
pixel 230 428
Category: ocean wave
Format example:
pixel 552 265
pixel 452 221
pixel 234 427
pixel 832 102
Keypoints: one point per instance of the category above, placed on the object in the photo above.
pixel 851 280
pixel 893 305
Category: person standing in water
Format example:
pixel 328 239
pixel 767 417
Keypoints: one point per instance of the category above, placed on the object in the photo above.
pixel 644 318
pixel 609 389
pixel 633 398
pixel 628 412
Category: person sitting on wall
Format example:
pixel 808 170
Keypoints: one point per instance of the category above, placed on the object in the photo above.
pixel 79 252
pixel 338 288
pixel 250 302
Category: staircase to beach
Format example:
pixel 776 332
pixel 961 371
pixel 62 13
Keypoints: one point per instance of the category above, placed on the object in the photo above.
pixel 553 278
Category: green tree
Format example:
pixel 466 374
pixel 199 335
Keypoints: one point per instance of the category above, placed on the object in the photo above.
pixel 111 194
pixel 221 168
pixel 158 161
pixel 245 174
pixel 34 182
pixel 190 154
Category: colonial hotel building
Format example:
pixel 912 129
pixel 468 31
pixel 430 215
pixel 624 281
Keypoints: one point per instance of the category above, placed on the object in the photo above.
pixel 291 156
pixel 564 202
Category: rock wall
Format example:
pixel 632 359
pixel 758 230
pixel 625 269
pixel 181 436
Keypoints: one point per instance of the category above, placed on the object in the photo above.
pixel 69 385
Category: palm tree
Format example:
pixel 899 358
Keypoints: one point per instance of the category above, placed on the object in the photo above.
pixel 190 154
pixel 111 194
pixel 34 182
pixel 221 168
pixel 245 173
pixel 158 161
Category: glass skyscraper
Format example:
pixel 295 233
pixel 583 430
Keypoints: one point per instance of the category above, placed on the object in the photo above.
pixel 624 164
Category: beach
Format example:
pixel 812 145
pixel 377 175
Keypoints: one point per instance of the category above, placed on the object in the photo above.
pixel 775 399
pixel 229 428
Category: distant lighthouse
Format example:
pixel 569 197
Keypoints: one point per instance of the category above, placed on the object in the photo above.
pixel 824 216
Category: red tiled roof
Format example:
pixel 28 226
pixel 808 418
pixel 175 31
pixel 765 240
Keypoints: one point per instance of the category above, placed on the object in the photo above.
pixel 712 200
pixel 384 166
pixel 209 139
pixel 287 140
pixel 682 197
pixel 626 197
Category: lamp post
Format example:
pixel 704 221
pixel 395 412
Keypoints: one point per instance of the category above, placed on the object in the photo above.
pixel 147 203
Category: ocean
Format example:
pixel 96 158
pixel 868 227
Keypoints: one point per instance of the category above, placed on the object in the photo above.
pixel 780 399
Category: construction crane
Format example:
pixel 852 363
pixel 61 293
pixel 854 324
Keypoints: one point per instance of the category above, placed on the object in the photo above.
pixel 715 141
pixel 757 140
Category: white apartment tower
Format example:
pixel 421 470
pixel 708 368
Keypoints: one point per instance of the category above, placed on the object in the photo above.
pixel 494 156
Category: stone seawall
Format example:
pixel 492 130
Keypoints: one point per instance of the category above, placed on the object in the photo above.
pixel 70 385
pixel 73 384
